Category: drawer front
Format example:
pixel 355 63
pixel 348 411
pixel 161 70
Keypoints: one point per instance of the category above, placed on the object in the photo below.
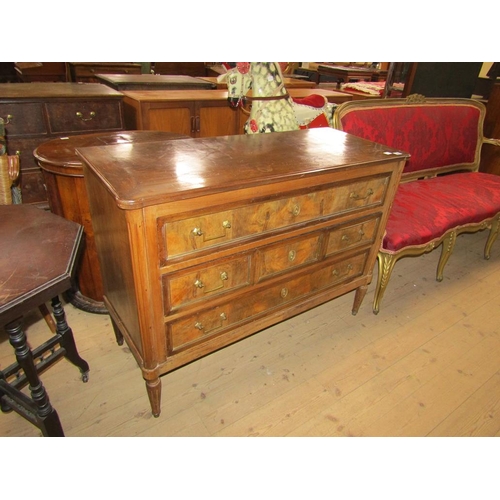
pixel 23 118
pixel 352 236
pixel 185 288
pixel 276 259
pixel 183 333
pixel 83 116
pixel 197 233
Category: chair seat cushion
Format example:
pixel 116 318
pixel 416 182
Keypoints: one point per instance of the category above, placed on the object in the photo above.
pixel 424 210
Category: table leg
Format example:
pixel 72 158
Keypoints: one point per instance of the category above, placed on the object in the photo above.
pixel 47 419
pixel 153 388
pixel 67 340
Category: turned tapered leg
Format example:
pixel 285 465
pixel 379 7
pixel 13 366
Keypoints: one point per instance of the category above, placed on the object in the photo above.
pixel 358 298
pixel 67 340
pixel 46 416
pixel 154 393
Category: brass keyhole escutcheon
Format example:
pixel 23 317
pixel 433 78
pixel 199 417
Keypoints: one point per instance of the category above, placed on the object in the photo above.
pixel 296 210
pixel 291 255
pixel 284 292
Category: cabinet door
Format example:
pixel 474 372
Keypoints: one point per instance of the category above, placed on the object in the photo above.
pixel 215 118
pixel 178 117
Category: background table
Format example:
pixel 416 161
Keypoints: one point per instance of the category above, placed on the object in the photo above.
pixel 154 82
pixel 63 175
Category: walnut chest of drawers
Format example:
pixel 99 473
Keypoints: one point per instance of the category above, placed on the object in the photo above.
pixel 37 112
pixel 203 242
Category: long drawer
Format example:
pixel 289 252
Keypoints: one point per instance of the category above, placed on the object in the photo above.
pixel 196 328
pixel 209 230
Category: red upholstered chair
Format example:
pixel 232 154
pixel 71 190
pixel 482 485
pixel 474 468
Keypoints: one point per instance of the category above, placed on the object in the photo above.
pixel 441 194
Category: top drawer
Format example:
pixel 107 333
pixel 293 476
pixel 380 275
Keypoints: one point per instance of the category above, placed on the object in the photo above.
pixel 23 118
pixel 83 116
pixel 208 230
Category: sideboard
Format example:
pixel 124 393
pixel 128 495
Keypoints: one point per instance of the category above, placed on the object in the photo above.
pixel 37 112
pixel 197 113
pixel 203 242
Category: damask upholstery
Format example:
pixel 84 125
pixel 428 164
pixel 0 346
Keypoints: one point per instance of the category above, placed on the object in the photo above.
pixel 441 193
pixel 426 209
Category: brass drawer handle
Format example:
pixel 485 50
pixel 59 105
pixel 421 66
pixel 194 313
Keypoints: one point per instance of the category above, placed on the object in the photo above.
pixel 197 231
pixel 223 277
pixel 200 326
pixel 8 119
pixel 80 115
pixel 356 196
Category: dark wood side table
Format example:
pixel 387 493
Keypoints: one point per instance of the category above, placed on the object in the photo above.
pixel 63 175
pixel 87 71
pixel 344 74
pixel 38 251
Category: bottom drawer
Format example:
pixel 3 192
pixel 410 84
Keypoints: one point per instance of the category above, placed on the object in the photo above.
pixel 206 324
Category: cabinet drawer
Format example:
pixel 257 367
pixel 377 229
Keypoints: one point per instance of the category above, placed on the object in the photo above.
pixel 82 116
pixel 197 233
pixel 198 327
pixel 182 289
pixel 351 236
pixel 275 259
pixel 23 118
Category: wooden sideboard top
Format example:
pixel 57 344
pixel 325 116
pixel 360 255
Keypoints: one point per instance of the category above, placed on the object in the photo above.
pixel 216 95
pixel 140 175
pixel 46 90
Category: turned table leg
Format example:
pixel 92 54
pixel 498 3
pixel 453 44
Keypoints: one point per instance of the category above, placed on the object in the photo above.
pixel 47 419
pixel 67 340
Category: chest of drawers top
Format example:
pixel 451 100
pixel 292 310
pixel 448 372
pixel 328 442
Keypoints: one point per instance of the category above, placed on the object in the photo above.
pixel 50 90
pixel 141 175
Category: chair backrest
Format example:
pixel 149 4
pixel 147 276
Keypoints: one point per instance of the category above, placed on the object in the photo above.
pixel 441 135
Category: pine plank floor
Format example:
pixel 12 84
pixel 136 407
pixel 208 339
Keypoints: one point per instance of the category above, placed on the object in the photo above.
pixel 426 365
